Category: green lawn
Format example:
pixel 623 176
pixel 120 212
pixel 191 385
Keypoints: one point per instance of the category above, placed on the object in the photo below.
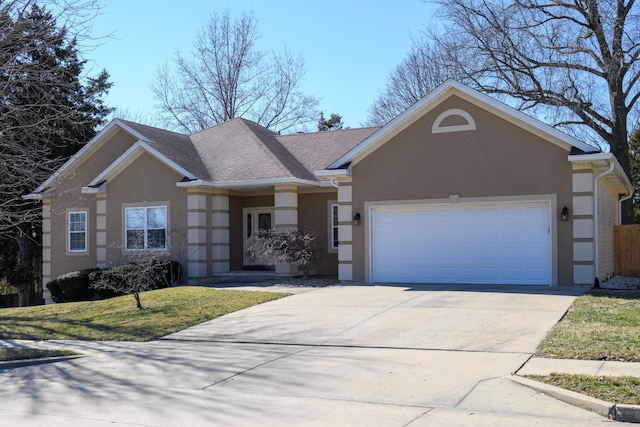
pixel 31 353
pixel 166 311
pixel 625 390
pixel 599 325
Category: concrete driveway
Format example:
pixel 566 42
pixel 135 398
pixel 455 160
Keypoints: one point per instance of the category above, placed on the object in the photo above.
pixel 352 355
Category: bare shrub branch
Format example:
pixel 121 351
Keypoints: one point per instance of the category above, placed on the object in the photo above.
pixel 298 247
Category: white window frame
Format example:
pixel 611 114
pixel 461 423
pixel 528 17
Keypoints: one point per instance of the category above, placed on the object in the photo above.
pixel 145 228
pixel 85 231
pixel 333 226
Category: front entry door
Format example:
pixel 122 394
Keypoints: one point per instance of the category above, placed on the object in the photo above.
pixel 255 220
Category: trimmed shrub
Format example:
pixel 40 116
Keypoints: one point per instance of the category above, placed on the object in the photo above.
pixel 169 271
pixel 135 278
pixel 79 285
pixel 74 286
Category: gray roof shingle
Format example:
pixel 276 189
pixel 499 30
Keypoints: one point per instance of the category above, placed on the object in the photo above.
pixel 241 150
pixel 316 151
pixel 175 146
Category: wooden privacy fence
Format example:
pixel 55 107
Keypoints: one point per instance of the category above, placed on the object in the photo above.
pixel 626 249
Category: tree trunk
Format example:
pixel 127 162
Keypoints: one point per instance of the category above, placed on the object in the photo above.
pixel 136 295
pixel 24 266
pixel 24 295
pixel 619 147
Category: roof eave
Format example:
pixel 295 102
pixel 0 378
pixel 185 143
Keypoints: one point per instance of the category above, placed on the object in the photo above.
pixel 239 184
pixel 37 196
pixel 332 173
pixel 600 162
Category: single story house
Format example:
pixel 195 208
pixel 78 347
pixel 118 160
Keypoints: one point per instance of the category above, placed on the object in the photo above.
pixel 459 188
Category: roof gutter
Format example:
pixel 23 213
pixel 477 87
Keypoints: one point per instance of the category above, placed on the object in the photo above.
pixel 248 183
pixel 332 175
pixel 34 196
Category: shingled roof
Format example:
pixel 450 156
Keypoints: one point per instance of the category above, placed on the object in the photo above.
pixel 316 151
pixel 175 146
pixel 241 150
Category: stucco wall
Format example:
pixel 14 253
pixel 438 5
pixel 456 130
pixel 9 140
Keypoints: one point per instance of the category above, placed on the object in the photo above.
pixel 66 195
pixel 498 159
pixel 146 182
pixel 313 210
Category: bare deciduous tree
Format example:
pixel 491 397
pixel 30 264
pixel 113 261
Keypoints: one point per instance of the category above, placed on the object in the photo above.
pixel 424 68
pixel 581 58
pixel 227 76
pixel 48 107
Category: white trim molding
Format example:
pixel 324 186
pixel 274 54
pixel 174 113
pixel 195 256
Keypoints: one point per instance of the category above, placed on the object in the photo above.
pixel 453 112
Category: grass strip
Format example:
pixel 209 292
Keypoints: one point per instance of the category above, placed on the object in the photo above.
pixel 31 353
pixel 599 325
pixel 624 390
pixel 117 319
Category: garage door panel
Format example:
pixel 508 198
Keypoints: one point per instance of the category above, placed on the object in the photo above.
pixel 501 243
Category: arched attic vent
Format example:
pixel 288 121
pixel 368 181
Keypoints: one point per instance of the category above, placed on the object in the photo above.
pixel 462 122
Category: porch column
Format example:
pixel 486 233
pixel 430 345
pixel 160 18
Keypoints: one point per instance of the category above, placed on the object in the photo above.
pixel 46 250
pixel 101 231
pixel 285 202
pixel 345 230
pixel 196 236
pixel 220 253
pixel 583 226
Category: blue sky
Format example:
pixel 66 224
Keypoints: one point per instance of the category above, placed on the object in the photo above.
pixel 349 46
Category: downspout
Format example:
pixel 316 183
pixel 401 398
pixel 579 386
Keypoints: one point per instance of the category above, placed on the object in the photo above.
pixel 596 282
pixel 624 199
pixel 333 182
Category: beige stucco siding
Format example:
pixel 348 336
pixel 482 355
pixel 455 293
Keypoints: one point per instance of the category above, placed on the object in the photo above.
pixel 146 182
pixel 66 196
pixel 313 211
pixel 496 160
pixel 607 219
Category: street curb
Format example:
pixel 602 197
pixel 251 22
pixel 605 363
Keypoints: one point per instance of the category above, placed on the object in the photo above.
pixel 616 412
pixel 11 364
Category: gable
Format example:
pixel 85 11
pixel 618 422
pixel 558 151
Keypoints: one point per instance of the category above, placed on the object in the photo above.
pixel 125 160
pixel 438 97
pixel 82 168
pixel 146 178
pixel 112 150
pixel 114 138
pixel 497 157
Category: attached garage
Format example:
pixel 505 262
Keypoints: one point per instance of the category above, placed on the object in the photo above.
pixel 497 243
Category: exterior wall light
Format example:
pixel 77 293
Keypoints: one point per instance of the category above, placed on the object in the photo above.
pixel 564 215
pixel 356 219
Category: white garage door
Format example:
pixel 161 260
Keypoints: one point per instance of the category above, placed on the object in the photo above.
pixel 483 244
